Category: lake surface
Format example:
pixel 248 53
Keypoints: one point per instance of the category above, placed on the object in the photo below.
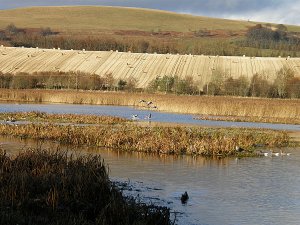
pixel 127 112
pixel 231 191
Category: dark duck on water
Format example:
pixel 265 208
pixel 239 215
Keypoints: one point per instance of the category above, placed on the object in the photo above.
pixel 184 197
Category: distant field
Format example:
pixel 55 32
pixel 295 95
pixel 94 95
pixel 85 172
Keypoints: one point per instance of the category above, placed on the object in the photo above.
pixel 95 18
pixel 141 66
pixel 92 18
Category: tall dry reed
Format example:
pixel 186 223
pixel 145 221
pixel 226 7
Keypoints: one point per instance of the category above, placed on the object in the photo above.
pixel 41 187
pixel 162 140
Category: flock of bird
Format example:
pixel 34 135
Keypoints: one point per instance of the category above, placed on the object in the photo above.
pixel 148 104
pixel 271 153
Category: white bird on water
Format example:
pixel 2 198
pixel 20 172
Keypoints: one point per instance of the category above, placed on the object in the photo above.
pixel 135 117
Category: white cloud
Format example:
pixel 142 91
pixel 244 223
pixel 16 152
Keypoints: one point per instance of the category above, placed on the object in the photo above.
pixel 286 14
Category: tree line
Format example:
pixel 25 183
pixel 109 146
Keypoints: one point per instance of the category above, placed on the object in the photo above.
pixel 285 85
pixel 62 80
pixel 257 40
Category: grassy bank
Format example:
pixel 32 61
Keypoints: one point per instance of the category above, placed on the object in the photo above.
pixel 39 187
pixel 286 110
pixel 161 140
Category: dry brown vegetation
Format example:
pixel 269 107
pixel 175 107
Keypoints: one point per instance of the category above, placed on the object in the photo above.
pixel 162 140
pixel 51 188
pixel 36 116
pixel 250 119
pixel 273 109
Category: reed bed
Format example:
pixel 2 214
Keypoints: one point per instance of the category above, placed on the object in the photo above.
pixel 273 109
pixel 43 187
pixel 250 119
pixel 36 116
pixel 161 140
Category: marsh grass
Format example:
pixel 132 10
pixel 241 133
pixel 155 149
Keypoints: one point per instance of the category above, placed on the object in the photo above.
pixel 161 140
pixel 43 187
pixel 287 110
pixel 36 116
pixel 250 119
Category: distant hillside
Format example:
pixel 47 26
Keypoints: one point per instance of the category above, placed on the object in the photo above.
pixel 144 68
pixel 98 28
pixel 113 18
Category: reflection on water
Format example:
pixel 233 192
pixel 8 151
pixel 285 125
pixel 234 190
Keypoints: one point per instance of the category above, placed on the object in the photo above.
pixel 127 112
pixel 226 191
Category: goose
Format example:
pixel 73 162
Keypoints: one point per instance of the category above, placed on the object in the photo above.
pixel 239 149
pixel 135 117
pixel 274 153
pixel 148 117
pixel 284 153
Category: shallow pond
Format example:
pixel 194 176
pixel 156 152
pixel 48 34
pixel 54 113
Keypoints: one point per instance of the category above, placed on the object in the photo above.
pixel 127 112
pixel 231 191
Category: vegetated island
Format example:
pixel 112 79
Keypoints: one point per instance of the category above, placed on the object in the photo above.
pixel 179 140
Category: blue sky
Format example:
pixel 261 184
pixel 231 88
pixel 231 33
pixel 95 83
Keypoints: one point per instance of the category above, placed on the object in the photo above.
pixel 277 11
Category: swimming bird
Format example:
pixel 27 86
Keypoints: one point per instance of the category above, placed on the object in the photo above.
pixel 284 153
pixel 184 197
pixel 148 117
pixel 239 149
pixel 134 117
pixel 274 153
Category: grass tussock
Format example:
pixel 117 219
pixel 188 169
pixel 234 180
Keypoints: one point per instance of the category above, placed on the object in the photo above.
pixel 40 187
pixel 161 140
pixel 287 110
pixel 36 116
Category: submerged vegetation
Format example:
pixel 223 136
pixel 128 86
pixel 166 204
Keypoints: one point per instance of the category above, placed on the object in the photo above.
pixel 161 140
pixel 41 187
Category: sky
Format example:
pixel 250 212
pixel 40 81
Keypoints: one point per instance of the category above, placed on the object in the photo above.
pixel 276 11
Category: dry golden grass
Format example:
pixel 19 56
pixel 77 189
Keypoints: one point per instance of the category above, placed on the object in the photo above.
pixel 42 117
pixel 285 109
pixel 162 140
pixel 251 119
pixel 92 19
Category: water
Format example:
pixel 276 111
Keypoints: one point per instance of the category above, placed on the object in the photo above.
pixel 127 112
pixel 231 191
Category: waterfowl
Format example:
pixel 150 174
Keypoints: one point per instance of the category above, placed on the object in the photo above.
pixel 274 153
pixel 284 153
pixel 239 149
pixel 134 117
pixel 184 197
pixel 266 154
